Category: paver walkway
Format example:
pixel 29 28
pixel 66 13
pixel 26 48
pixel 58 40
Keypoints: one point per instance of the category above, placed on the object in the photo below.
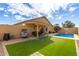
pixel 1 50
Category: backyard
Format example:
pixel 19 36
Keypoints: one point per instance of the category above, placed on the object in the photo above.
pixel 48 46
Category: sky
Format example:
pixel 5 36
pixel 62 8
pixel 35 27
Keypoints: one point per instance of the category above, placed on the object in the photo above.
pixel 57 13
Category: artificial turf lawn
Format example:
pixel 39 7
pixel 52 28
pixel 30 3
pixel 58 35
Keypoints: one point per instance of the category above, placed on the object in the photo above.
pixel 48 46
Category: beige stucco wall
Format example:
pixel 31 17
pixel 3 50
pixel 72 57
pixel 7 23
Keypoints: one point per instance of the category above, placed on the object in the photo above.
pixel 3 29
pixel 69 30
pixel 13 30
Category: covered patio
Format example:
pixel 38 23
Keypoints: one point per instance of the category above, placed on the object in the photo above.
pixel 36 28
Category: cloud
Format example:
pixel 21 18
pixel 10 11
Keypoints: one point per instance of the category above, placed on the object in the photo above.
pixel 1 8
pixel 45 7
pixel 60 17
pixel 72 15
pixel 5 15
pixel 22 9
pixel 49 8
pixel 50 18
pixel 13 11
pixel 37 10
pixel 41 7
pixel 54 1
pixel 18 17
pixel 58 5
pixel 71 9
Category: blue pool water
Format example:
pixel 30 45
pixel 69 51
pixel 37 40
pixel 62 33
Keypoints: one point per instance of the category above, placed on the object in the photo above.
pixel 65 35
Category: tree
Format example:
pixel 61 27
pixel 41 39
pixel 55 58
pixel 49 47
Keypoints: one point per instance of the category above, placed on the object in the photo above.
pixel 57 28
pixel 68 24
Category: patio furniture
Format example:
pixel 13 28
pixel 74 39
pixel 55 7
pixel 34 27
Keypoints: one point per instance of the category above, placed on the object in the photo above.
pixel 24 33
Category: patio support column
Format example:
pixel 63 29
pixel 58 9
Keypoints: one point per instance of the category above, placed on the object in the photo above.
pixel 37 30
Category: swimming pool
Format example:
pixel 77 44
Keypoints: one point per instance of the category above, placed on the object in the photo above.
pixel 65 35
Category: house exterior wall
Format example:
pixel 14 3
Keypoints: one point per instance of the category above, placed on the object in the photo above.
pixel 15 30
pixel 29 28
pixel 3 29
pixel 51 28
pixel 69 30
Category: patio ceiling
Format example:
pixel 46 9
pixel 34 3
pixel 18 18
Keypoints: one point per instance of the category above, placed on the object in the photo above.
pixel 35 23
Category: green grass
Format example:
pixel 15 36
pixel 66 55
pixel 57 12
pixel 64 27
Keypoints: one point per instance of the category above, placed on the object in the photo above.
pixel 48 46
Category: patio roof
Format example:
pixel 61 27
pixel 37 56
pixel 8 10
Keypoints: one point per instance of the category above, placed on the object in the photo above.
pixel 36 20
